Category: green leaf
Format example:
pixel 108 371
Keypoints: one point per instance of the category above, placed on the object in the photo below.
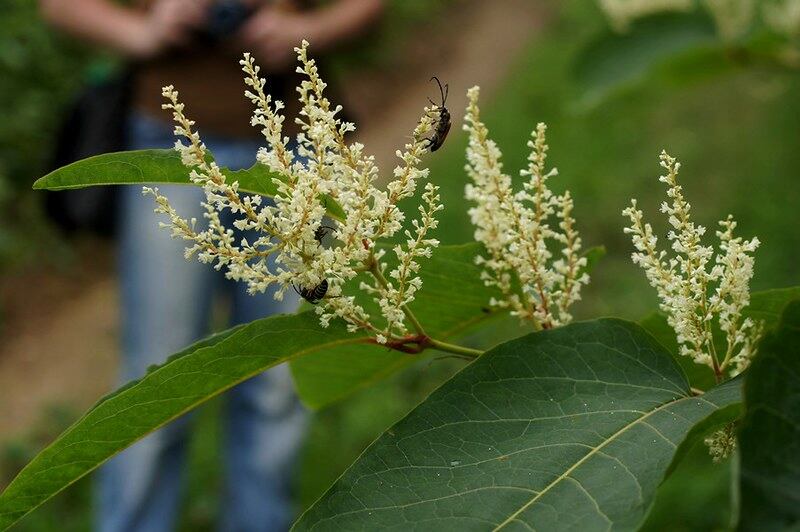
pixel 453 302
pixel 187 379
pixel 701 377
pixel 613 61
pixel 572 428
pixel 769 436
pixel 150 167
pixel 769 305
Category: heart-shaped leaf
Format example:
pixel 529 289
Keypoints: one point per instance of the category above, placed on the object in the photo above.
pixel 572 428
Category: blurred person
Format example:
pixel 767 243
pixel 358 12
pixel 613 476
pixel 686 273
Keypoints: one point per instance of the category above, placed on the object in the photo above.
pixel 166 300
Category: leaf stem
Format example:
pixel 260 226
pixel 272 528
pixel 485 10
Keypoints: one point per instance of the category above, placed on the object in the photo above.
pixel 422 339
pixel 453 348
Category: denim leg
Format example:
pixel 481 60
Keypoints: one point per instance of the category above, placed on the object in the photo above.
pixel 264 420
pixel 165 306
pixel 264 427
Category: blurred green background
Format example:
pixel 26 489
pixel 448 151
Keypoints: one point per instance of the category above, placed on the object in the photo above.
pixel 737 135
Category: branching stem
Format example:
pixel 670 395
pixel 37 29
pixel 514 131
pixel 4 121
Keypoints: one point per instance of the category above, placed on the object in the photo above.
pixel 416 343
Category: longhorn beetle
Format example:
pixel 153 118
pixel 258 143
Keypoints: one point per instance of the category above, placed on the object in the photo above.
pixel 442 126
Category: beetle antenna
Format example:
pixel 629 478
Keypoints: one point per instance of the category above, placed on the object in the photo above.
pixel 441 91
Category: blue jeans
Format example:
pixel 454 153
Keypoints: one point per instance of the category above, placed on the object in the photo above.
pixel 166 305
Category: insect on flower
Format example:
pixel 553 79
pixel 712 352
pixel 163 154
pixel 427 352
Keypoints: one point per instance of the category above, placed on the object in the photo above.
pixel 314 294
pixel 442 126
pixel 321 231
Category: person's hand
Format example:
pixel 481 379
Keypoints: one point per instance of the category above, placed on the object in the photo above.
pixel 170 23
pixel 271 35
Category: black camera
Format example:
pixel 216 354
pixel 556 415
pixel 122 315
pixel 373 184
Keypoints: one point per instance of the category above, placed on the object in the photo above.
pixel 224 18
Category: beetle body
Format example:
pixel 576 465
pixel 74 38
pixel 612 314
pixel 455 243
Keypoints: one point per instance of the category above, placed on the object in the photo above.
pixel 443 122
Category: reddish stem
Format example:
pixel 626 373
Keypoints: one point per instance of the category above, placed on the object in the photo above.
pixel 411 344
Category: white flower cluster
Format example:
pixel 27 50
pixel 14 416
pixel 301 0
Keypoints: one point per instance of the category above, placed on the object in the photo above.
pixel 721 443
pixel 514 227
pixel 292 228
pixel 685 280
pixel 622 12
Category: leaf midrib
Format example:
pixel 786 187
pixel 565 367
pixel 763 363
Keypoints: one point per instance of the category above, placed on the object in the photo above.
pixel 566 474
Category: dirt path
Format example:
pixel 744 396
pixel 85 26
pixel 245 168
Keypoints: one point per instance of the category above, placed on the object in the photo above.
pixel 65 353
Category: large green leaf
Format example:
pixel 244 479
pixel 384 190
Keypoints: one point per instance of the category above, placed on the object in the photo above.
pixel 453 301
pixel 613 60
pixel 167 391
pixel 770 431
pixel 152 166
pixel 701 377
pixel 572 428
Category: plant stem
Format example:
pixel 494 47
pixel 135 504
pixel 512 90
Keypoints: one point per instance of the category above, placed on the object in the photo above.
pixel 372 266
pixel 453 348
pixel 375 270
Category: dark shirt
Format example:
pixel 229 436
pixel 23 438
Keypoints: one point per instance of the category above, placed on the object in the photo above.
pixel 211 84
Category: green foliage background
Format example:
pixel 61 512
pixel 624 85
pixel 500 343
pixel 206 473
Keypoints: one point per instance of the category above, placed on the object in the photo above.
pixel 39 72
pixel 736 136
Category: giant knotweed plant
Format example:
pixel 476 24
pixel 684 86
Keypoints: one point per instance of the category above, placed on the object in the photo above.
pixel 699 290
pixel 533 432
pixel 515 230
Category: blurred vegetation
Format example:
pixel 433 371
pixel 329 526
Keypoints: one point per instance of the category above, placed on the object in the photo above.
pixel 39 73
pixel 736 134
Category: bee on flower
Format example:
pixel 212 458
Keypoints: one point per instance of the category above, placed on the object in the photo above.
pixel 696 287
pixel 515 228
pixel 290 228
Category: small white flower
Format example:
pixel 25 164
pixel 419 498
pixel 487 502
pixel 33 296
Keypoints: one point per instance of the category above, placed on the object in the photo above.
pixel 684 280
pixel 721 443
pixel 514 227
